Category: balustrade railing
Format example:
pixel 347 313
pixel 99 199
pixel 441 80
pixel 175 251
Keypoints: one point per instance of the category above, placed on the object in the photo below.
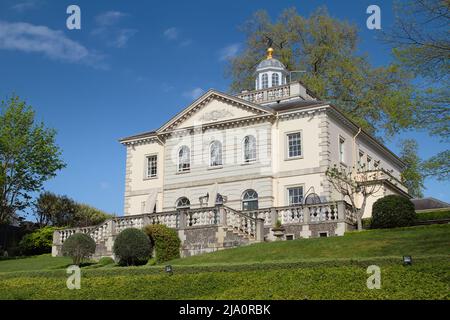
pixel 244 222
pixel 266 95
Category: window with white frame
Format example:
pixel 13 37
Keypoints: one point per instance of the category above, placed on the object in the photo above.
pixel 183 203
pixel 294 143
pixel 369 163
pixel 341 149
pixel 184 159
pixel 361 158
pixel 265 81
pixel 215 154
pixel 295 195
pixel 249 149
pixel 275 79
pixel 250 200
pixel 152 166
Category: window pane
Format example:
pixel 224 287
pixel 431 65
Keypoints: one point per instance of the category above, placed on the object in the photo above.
pixel 295 195
pixel 294 145
pixel 275 79
pixel 216 154
pixel 184 158
pixel 152 166
pixel 265 81
pixel 249 148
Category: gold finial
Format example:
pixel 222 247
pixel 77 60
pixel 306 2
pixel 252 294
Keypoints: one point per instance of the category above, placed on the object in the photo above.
pixel 269 53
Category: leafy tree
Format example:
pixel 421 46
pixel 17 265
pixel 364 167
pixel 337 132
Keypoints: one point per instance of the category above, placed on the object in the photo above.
pixel 412 176
pixel 421 44
pixel 438 166
pixel 78 246
pixel 29 156
pixel 132 246
pixel 38 242
pixel 326 49
pixel 165 241
pixel 62 211
pixel 357 184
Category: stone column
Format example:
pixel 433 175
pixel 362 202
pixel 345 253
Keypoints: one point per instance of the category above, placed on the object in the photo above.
pixel 273 217
pixel 56 246
pixel 222 216
pixel 306 215
pixel 341 210
pixel 259 229
pixel 181 219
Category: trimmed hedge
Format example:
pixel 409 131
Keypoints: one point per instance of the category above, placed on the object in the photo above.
pixel 393 211
pixel 78 246
pixel 133 247
pixel 433 215
pixel 104 261
pixel 165 241
pixel 38 242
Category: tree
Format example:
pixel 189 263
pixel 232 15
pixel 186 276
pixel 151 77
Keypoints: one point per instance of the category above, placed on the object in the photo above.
pixel 421 44
pixel 79 247
pixel 438 166
pixel 62 211
pixel 411 176
pixel 29 156
pixel 326 49
pixel 357 183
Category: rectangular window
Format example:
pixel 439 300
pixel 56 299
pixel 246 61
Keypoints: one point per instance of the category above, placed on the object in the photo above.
pixel 341 149
pixel 294 144
pixel 295 195
pixel 369 163
pixel 361 158
pixel 152 162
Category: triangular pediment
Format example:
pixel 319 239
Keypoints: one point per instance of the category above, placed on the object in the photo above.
pixel 213 107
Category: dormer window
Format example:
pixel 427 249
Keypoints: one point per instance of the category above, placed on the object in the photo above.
pixel 265 81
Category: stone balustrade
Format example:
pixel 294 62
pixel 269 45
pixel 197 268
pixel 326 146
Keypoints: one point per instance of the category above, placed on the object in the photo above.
pixel 266 95
pixel 248 224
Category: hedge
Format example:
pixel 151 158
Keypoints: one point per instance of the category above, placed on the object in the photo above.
pixel 393 211
pixel 132 247
pixel 37 242
pixel 165 241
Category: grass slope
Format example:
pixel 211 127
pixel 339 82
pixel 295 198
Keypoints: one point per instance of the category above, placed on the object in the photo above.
pixel 333 268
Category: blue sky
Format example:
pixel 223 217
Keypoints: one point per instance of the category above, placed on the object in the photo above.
pixel 131 67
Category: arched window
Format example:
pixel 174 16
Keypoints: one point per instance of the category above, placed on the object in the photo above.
pixel 249 148
pixel 215 152
pixel 183 203
pixel 184 159
pixel 275 79
pixel 250 200
pixel 265 81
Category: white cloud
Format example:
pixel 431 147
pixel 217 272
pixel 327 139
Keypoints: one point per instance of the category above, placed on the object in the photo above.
pixel 25 6
pixel 171 33
pixel 109 18
pixel 109 32
pixel 194 93
pixel 54 44
pixel 229 52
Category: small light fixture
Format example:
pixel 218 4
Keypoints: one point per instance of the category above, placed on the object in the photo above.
pixel 169 269
pixel 407 260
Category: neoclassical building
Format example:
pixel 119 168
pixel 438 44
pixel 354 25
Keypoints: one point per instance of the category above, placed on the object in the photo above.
pixel 227 168
pixel 259 149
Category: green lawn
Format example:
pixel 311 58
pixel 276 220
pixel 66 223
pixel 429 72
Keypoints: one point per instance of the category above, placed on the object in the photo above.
pixel 333 268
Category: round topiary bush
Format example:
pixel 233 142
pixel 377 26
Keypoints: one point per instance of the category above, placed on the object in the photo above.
pixel 392 211
pixel 78 246
pixel 165 241
pixel 132 247
pixel 104 261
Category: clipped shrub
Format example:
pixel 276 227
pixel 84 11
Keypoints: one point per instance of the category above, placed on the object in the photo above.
pixel 37 242
pixel 393 211
pixel 366 223
pixel 165 241
pixel 132 247
pixel 104 261
pixel 79 247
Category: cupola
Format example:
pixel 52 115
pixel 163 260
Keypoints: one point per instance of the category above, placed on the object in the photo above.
pixel 270 72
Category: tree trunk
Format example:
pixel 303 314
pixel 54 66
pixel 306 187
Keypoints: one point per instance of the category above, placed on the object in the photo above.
pixel 359 221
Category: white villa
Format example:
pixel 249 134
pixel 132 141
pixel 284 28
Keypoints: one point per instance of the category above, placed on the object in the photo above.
pixel 226 168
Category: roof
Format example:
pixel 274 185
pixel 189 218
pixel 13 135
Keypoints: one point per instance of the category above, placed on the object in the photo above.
pixel 270 63
pixel 429 203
